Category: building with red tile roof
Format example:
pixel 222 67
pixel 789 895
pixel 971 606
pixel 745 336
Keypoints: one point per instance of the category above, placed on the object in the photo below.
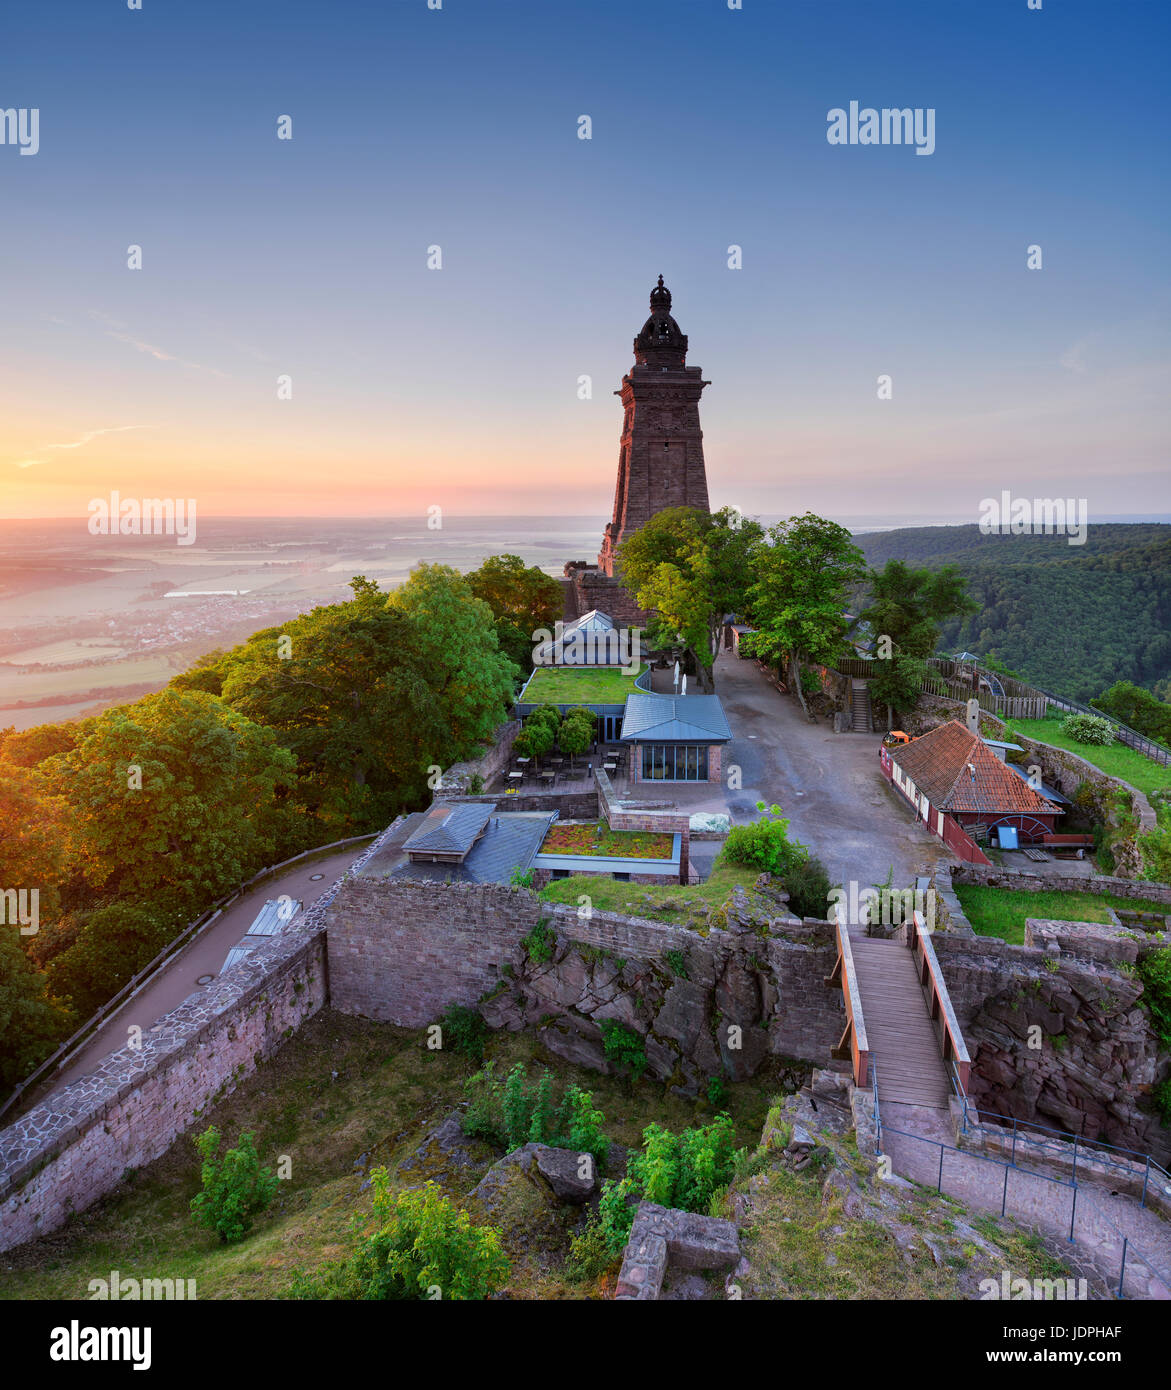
pixel 951 772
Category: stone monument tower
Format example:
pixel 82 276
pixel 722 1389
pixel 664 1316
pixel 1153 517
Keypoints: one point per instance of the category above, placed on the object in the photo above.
pixel 660 455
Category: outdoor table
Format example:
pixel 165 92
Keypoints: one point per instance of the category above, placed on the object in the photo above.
pixel 515 776
pixel 609 767
pixel 522 760
pixel 548 776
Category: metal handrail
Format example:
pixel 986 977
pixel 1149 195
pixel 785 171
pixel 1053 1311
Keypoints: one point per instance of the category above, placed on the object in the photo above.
pixel 1062 1138
pixel 1128 1246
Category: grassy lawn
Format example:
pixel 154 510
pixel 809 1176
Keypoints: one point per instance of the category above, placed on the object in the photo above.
pixel 1116 760
pixel 1000 912
pixel 339 1088
pixel 596 837
pixel 686 907
pixel 568 685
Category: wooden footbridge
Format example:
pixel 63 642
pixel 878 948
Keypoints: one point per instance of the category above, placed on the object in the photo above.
pixel 898 1008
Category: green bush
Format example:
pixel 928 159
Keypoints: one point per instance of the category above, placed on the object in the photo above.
pixel 1162 1094
pixel 1137 707
pixel 425 1244
pixel 475 784
pixel 717 1090
pixel 235 1187
pixel 464 1031
pixel 590 1255
pixel 510 1113
pixel 677 963
pixel 765 844
pixel 1155 972
pixel 539 943
pixel 624 1047
pixel 685 1171
pixel 1088 729
pixel 522 878
pixel 808 887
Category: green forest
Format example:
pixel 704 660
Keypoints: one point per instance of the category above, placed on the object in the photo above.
pixel 128 824
pixel 1073 619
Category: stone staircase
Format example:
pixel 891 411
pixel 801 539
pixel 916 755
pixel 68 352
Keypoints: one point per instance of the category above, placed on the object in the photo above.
pixel 863 721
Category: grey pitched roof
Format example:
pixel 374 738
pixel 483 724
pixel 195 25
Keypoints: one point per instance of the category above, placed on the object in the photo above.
pixel 511 841
pixel 675 719
pixel 448 829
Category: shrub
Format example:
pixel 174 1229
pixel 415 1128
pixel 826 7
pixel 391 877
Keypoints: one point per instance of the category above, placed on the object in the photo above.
pixel 717 1090
pixel 808 887
pixel 511 1113
pixel 464 1030
pixel 1162 1096
pixel 590 1254
pixel 677 963
pixel 235 1187
pixel 522 878
pixel 484 1117
pixel 539 942
pixel 517 1107
pixel 765 843
pixel 686 1171
pixel 624 1047
pixel 426 1243
pixel 1155 972
pixel 580 1126
pixel 1088 729
pixel 475 784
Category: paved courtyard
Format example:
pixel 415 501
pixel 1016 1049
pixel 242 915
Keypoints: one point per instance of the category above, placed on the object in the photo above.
pixel 829 785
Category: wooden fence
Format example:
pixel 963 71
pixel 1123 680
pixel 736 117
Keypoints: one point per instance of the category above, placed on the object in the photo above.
pixel 1006 697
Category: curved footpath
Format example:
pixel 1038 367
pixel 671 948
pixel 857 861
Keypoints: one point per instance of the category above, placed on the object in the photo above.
pixel 204 956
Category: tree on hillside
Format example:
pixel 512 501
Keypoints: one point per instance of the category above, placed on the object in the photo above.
pixel 797 601
pixel 905 612
pixel 168 799
pixel 28 747
pixel 523 600
pixel 31 829
pixel 111 944
pixel 205 673
pixel 909 605
pixel 1138 708
pixel 29 1024
pixel 344 687
pixel 690 568
pixel 471 680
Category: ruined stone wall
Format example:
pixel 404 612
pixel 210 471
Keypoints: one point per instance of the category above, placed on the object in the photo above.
pixel 1041 882
pixel 406 952
pixel 65 1153
pixel 455 780
pixel 76 1146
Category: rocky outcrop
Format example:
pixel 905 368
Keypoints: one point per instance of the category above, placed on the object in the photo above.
pixel 556 1172
pixel 1070 1048
pixel 715 1005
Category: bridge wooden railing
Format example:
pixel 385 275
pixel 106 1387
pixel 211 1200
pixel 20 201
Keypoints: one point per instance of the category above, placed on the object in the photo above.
pixel 938 1000
pixel 853 1045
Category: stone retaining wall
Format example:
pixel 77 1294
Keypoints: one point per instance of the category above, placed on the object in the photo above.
pixel 73 1148
pixel 405 952
pixel 455 779
pixel 1040 882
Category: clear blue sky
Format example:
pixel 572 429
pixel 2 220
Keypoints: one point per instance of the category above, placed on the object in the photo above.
pixel 459 127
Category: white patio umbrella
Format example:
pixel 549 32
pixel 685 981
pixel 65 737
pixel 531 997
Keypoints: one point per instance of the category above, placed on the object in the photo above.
pixel 676 675
pixel 683 688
